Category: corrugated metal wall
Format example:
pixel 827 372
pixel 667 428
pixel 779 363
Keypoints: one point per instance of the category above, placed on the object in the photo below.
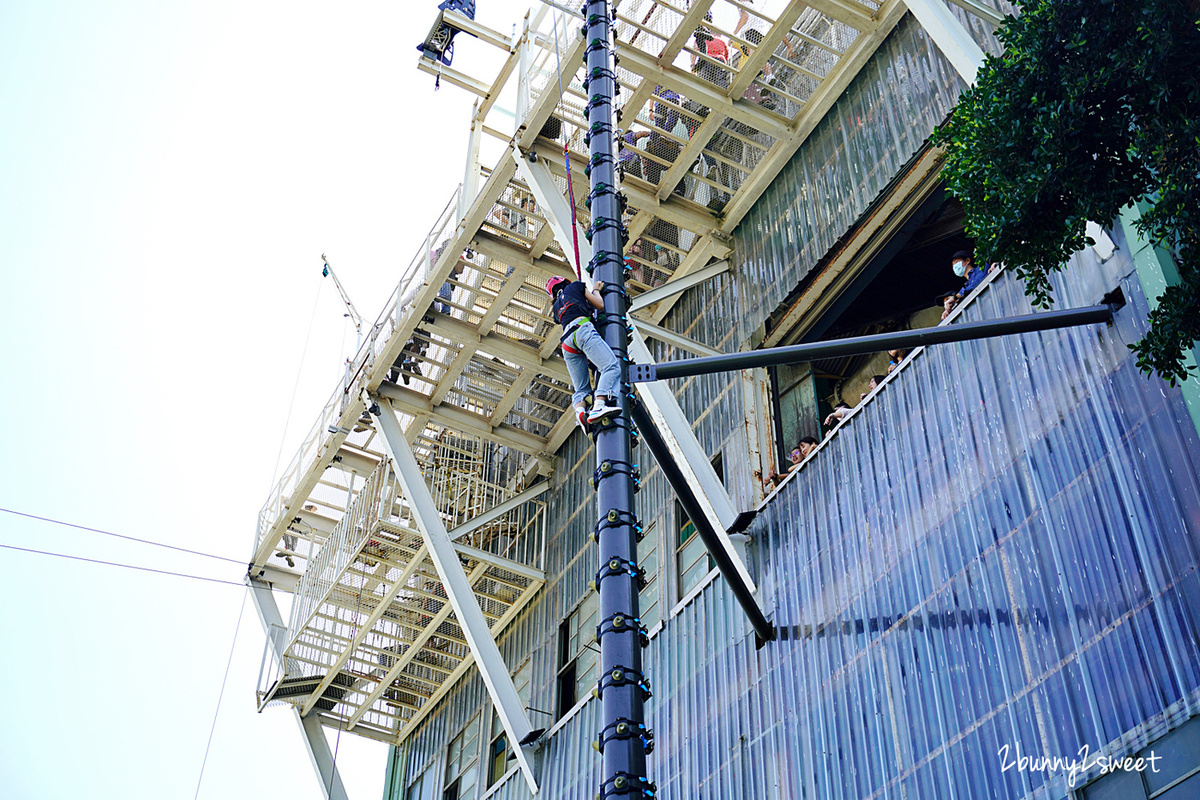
pixel 1001 549
pixel 903 92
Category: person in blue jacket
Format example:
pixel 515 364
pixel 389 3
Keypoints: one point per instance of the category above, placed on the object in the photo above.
pixel 964 267
pixel 574 305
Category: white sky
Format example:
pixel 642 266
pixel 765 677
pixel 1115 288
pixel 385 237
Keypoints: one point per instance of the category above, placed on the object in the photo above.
pixel 170 173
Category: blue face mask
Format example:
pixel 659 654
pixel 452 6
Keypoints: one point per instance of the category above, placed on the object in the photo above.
pixel 960 268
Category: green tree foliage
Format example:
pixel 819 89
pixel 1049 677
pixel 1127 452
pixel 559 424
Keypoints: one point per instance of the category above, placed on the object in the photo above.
pixel 1094 105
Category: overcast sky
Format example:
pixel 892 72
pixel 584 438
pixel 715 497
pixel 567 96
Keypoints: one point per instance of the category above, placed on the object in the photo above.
pixel 170 174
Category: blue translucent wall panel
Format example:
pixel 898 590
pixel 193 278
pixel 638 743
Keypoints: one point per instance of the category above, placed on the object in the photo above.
pixel 1001 549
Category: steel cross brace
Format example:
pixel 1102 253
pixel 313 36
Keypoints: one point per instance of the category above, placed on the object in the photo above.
pixel 470 617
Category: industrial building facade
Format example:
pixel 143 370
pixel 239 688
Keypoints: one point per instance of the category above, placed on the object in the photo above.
pixel 983 582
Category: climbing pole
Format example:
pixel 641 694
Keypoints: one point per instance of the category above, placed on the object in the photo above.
pixel 623 740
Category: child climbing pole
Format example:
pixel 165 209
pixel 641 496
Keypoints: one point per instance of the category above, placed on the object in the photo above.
pixel 574 306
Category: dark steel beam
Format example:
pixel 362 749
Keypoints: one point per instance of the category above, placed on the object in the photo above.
pixel 859 345
pixel 687 498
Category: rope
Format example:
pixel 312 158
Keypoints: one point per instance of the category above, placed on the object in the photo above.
pixel 296 385
pixel 221 695
pixel 567 156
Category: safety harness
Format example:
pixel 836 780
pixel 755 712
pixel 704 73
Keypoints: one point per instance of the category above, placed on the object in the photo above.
pixel 562 305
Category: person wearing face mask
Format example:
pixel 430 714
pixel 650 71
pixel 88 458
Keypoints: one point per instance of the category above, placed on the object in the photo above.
pixel 800 452
pixel 964 267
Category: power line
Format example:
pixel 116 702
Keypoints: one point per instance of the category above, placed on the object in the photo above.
pixel 120 536
pixel 126 566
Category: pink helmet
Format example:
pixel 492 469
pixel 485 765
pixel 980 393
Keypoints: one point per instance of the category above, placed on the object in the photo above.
pixel 553 284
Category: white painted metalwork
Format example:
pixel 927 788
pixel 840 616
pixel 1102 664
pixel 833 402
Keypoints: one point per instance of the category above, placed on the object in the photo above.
pixel 314 737
pixel 675 286
pixel 556 208
pixel 459 590
pixel 693 462
pixel 949 35
pixel 670 337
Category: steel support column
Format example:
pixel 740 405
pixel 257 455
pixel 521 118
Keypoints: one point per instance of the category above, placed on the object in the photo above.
pixel 624 740
pixel 310 726
pixel 458 589
pixel 690 458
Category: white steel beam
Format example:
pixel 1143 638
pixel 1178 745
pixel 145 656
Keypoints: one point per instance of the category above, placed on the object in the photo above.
pixel 949 35
pixel 496 248
pixel 689 455
pixel 677 285
pixel 703 92
pixel 458 589
pixel 699 255
pixel 673 338
pixel 847 13
pixel 980 10
pixel 555 208
pixel 461 419
pixel 525 357
pixel 495 512
pixel 815 109
pixel 459 79
pixel 456 19
pixel 695 218
pixel 310 726
pixel 749 70
pixel 407 657
pixel 512 285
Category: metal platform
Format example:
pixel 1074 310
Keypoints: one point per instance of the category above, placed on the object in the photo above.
pixel 372 641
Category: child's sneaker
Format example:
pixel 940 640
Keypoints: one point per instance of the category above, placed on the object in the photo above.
pixel 601 410
pixel 581 418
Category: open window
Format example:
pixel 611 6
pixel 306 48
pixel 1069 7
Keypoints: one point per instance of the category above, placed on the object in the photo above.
pixel 897 283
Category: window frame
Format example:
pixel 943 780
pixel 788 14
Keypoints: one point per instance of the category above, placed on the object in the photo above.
pixel 454 783
pixel 567 663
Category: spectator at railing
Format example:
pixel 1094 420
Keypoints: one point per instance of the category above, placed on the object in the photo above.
pixel 875 382
pixel 629 161
pixel 444 295
pixel 800 452
pixel 838 414
pixel 775 478
pixel 807 445
pixel 715 48
pixel 409 361
pixel 895 356
pixel 665 116
pixel 964 267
